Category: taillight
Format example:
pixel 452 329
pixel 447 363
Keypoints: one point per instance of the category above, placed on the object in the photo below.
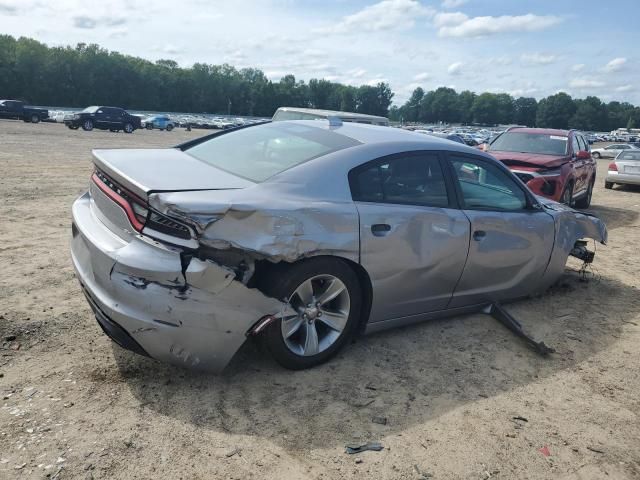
pixel 133 206
pixel 613 167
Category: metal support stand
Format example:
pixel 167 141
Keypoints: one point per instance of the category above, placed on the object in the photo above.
pixel 498 312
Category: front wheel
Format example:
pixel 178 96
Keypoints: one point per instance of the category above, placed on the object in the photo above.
pixel 35 118
pixel 73 127
pixel 596 155
pixel 169 127
pixel 87 125
pixel 326 296
pixel 128 128
pixel 585 201
pixel 567 195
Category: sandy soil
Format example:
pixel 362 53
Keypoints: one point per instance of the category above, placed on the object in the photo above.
pixel 73 405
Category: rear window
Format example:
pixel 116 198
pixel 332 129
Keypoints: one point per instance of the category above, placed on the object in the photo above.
pixel 259 152
pixel 538 143
pixel 629 155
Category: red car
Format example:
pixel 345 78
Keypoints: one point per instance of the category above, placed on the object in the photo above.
pixel 556 164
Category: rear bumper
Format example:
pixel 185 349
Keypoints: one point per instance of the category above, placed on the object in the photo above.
pixel 615 177
pixel 196 318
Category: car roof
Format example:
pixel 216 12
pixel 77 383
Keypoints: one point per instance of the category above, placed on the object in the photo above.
pixel 541 131
pixel 371 134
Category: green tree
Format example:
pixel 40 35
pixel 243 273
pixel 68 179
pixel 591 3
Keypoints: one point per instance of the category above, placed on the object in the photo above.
pixel 525 109
pixel 555 111
pixel 485 108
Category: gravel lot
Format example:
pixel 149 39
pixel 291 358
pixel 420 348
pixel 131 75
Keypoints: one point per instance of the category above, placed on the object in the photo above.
pixel 73 405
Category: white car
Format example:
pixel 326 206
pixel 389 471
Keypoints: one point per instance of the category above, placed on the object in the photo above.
pixel 612 151
pixel 624 170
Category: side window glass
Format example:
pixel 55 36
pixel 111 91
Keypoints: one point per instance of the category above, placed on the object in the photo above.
pixel 486 187
pixel 411 180
pixel 574 144
pixel 582 144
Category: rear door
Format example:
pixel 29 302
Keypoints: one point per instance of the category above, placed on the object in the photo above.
pixel 579 166
pixel 413 239
pixel 510 243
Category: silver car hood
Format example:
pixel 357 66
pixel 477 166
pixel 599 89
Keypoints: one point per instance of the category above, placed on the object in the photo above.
pixel 163 170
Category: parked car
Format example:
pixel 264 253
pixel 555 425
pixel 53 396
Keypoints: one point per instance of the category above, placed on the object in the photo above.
pixel 624 170
pixel 554 163
pixel 19 110
pixel 304 233
pixel 161 122
pixel 612 151
pixel 103 118
pixel 449 136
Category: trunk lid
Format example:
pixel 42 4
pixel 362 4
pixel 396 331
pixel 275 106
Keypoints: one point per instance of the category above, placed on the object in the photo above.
pixel 143 171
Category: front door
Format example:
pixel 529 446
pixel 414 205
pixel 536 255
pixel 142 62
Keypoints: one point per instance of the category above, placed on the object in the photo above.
pixel 511 242
pixel 413 242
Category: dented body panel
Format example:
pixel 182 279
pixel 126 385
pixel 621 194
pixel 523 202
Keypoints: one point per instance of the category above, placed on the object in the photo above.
pixel 191 301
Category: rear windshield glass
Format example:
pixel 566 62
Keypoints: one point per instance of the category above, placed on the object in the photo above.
pixel 630 155
pixel 257 153
pixel 530 143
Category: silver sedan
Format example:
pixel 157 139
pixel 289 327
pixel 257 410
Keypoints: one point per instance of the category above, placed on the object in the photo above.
pixel 624 170
pixel 611 151
pixel 306 233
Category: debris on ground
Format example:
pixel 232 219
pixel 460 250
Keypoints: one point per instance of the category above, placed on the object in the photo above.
pixel 379 420
pixel 597 450
pixel 235 451
pixel 545 451
pixel 355 448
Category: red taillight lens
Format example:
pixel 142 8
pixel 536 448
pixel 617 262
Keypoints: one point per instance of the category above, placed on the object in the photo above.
pixel 613 167
pixel 133 208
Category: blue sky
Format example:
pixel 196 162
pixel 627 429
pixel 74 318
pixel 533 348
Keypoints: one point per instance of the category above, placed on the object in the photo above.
pixel 532 48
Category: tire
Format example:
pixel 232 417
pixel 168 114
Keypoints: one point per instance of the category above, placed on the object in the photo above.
pixel 608 185
pixel 296 349
pixel 169 128
pixel 585 200
pixel 128 127
pixel 567 195
pixel 113 130
pixel 596 155
pixel 73 127
pixel 35 118
pixel 87 125
pixel 149 126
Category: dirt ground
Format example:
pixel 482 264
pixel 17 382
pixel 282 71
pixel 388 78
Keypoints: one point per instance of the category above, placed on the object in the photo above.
pixel 73 405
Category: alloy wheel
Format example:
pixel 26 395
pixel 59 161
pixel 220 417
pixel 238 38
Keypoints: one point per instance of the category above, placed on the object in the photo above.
pixel 322 306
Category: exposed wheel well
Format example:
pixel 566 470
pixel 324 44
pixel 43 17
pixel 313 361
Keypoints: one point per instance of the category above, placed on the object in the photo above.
pixel 264 269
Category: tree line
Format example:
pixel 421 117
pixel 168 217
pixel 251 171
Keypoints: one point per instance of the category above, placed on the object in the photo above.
pixel 555 111
pixel 90 75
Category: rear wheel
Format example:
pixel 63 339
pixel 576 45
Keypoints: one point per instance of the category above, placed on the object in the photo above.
pixel 35 118
pixel 596 155
pixel 608 185
pixel 326 296
pixel 87 125
pixel 128 128
pixel 567 194
pixel 585 201
pixel 149 126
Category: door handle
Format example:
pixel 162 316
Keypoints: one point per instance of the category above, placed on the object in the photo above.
pixel 380 229
pixel 479 235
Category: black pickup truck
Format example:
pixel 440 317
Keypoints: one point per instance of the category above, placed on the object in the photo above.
pixel 18 110
pixel 103 118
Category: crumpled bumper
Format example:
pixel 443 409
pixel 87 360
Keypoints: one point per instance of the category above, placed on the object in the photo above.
pixel 178 309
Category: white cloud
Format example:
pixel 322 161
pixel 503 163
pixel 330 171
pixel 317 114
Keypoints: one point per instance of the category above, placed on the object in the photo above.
pixel 357 73
pixel 615 65
pixel 624 88
pixel 578 67
pixel 384 15
pixel 455 68
pixel 453 3
pixel 522 92
pixel 484 26
pixel 538 58
pixel 583 83
pixel 503 60
pixel 421 77
pixel 449 19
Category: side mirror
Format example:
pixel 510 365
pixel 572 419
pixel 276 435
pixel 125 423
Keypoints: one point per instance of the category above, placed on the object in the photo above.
pixel 583 155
